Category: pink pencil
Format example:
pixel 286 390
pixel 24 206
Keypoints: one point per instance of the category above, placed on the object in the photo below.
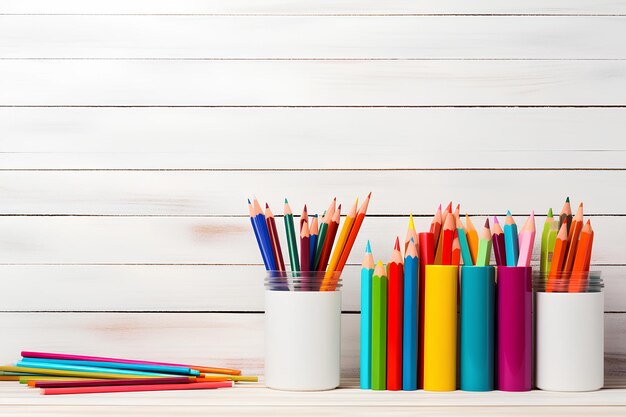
pixel 133 388
pixel 110 382
pixel 47 355
pixel 527 241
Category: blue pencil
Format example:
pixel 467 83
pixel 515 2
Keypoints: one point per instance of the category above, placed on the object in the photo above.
pixel 314 232
pixel 63 367
pixel 465 251
pixel 511 242
pixel 367 271
pixel 264 236
pixel 165 369
pixel 256 235
pixel 409 332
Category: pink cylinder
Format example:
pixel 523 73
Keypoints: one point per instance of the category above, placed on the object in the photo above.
pixel 514 328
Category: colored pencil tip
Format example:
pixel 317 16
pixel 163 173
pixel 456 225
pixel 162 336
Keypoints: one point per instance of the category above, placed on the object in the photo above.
pixel 508 212
pixel 581 204
pixel 267 205
pixel 567 200
pixel 369 195
pixel 439 206
pixel 495 220
pixel 550 212
pixel 449 208
pixel 304 208
pixel 368 248
pixel 589 222
pixel 339 207
pixel 411 223
pixel 380 264
pixel 487 223
pixel 249 201
pixel 286 202
pixel 397 245
pixel 413 240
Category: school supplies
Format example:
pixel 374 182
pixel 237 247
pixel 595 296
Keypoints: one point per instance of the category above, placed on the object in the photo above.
pixel 527 241
pixel 291 238
pixel 566 215
pixel 395 311
pixel 314 234
pixel 409 333
pixel 135 388
pixel 556 268
pixel 305 253
pixel 379 328
pixel 472 238
pixel 497 241
pixel 273 231
pixel 484 246
pixel 572 240
pixel 511 241
pixel 446 240
pixel 463 243
pixel 367 271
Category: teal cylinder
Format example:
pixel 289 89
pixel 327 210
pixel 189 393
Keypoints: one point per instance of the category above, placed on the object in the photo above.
pixel 477 328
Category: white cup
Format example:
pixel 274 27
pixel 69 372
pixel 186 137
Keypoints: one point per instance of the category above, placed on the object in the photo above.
pixel 569 341
pixel 302 337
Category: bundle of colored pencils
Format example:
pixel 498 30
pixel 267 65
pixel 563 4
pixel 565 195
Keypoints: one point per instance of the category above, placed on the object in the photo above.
pixel 566 250
pixel 58 373
pixel 316 251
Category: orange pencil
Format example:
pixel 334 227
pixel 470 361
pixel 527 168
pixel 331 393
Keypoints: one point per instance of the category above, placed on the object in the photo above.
pixel 333 226
pixel 446 241
pixel 349 242
pixel 560 246
pixel 566 215
pixel 583 255
pixel 572 239
pixel 435 225
pixel 438 251
pixel 456 249
pixel 472 238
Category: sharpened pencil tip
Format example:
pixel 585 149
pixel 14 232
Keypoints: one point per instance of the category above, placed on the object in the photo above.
pixel 267 206
pixel 249 201
pixel 487 222
pixel 397 245
pixel 567 200
pixel 508 212
pixel 369 195
pixel 368 248
pixel 286 202
pixel 495 220
pixel 550 212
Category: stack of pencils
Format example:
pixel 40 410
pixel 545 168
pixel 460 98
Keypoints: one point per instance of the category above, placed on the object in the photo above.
pixel 58 373
pixel 316 252
pixel 566 247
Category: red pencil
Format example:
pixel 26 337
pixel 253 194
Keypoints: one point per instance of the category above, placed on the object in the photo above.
pixel 497 240
pixel 109 382
pixel 304 218
pixel 305 264
pixel 395 311
pixel 427 257
pixel 435 225
pixel 271 227
pixel 131 388
pixel 447 238
pixel 456 250
pixel 330 239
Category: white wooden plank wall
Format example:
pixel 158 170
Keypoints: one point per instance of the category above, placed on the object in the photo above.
pixel 132 131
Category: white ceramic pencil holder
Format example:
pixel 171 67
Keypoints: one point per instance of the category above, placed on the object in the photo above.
pixel 569 333
pixel 302 331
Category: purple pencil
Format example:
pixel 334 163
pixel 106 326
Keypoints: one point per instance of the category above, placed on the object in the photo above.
pixel 497 237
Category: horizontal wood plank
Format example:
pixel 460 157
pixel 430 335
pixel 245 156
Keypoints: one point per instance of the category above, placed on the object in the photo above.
pixel 224 193
pixel 585 7
pixel 312 83
pixel 230 340
pixel 171 138
pixel 184 288
pixel 208 240
pixel 313 37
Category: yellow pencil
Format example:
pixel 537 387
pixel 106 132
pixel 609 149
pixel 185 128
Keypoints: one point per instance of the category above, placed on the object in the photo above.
pixel 472 238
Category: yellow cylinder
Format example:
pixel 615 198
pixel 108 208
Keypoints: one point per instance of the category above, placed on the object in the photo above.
pixel 440 314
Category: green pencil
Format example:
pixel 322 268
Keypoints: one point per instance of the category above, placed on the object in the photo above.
pixel 379 328
pixel 545 235
pixel 291 238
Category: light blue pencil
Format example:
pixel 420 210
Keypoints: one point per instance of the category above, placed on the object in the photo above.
pixel 63 367
pixel 409 330
pixel 367 271
pixel 511 242
pixel 166 369
pixel 465 251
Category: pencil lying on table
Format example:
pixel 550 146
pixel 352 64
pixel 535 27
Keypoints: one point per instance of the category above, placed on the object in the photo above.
pixel 133 388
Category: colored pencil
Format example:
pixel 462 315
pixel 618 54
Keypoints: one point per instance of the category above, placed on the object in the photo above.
pixel 128 367
pixel 305 252
pixel 257 236
pixel 291 238
pixel 82 368
pixel 314 232
pixel 456 249
pixel 264 234
pixel 411 234
pixel 439 250
pixel 276 250
pixel 135 388
pixel 111 382
pixel 572 240
pixel 578 278
pixel 409 321
pixel 326 218
pixel 333 226
pixel 236 378
pixel 367 271
pixel 544 261
pixel 497 240
pixel 354 231
pixel 60 372
pixel 304 218
pixel 395 311
pixel 484 246
pixel 379 328
pixel 462 236
pixel 435 226
pixel 472 238
pixel 339 247
pixel 426 257
pixel 566 215
pixel 201 368
pixel 556 268
pixel 9 377
pixel 446 240
pixel 511 241
pixel 527 241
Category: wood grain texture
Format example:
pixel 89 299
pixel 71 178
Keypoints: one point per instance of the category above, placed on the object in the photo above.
pixel 224 193
pixel 272 7
pixel 212 138
pixel 158 336
pixel 205 240
pixel 181 288
pixel 312 83
pixel 313 37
